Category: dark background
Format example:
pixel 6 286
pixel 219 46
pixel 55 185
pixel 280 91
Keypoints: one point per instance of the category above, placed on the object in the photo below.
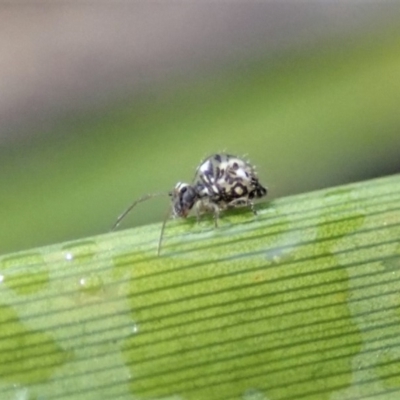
pixel 103 102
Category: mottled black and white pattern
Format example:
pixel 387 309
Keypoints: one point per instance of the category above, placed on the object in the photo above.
pixel 222 181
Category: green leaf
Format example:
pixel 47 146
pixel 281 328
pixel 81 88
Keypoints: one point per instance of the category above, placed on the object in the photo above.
pixel 300 302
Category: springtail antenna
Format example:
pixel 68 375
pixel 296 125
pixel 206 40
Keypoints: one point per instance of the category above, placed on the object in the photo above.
pixel 128 210
pixel 166 217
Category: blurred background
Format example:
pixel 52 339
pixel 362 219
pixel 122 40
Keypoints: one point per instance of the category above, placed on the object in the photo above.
pixel 103 102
